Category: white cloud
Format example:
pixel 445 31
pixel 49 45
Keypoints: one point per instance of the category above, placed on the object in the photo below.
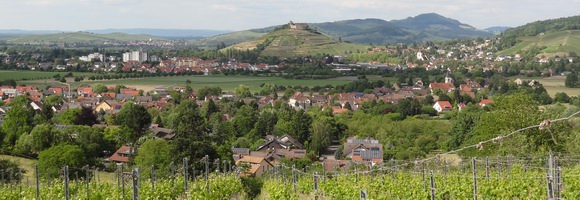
pixel 224 7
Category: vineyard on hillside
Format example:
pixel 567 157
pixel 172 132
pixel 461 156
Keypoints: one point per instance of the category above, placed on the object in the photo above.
pixel 502 178
pixel 489 178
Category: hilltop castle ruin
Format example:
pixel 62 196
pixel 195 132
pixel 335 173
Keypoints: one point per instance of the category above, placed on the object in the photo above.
pixel 298 26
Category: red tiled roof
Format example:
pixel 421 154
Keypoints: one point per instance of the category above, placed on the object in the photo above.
pixel 121 155
pixel 56 90
pixel 338 110
pixel 445 105
pixel 25 89
pixel 442 86
pixel 86 90
pixel 484 102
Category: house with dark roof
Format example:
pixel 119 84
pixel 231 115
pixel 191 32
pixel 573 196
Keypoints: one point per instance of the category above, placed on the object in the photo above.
pixel 162 133
pixel 282 142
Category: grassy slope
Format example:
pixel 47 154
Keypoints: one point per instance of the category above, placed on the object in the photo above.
pixel 288 43
pixel 24 163
pixel 557 43
pixel 28 165
pixel 230 38
pixel 80 37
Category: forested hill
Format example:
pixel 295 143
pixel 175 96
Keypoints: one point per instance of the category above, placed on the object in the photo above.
pixel 423 27
pixel 510 36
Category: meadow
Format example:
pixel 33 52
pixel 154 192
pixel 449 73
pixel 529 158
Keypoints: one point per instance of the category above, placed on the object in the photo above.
pixel 33 75
pixel 556 84
pixel 227 83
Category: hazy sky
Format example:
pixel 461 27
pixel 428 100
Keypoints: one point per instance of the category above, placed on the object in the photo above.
pixel 75 15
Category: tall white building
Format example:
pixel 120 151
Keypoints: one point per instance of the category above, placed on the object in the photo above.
pixel 139 56
pixel 93 56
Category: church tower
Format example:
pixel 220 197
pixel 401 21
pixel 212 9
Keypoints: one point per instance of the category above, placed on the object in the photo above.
pixel 448 78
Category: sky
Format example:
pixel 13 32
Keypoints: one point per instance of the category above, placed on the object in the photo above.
pixel 78 15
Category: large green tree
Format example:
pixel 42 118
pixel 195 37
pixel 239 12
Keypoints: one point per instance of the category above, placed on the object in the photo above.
pixel 136 118
pixel 67 117
pixel 18 119
pixel 86 117
pixel 191 140
pixel 243 91
pixel 265 123
pixel 91 140
pixel 157 153
pixel 572 80
pixel 43 137
pixel 208 108
pixel 510 113
pixel 53 159
pixel 322 131
pixel 244 120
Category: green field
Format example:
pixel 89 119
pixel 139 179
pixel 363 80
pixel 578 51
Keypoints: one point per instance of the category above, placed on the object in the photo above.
pixel 29 75
pixel 230 38
pixel 227 83
pixel 556 84
pixel 557 43
pixel 72 37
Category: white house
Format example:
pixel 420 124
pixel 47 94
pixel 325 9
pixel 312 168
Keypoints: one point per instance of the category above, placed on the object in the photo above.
pixel 441 106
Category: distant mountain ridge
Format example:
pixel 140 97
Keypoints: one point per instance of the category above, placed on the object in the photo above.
pixel 72 37
pixel 497 29
pixel 26 32
pixel 165 33
pixel 432 26
pixel 424 27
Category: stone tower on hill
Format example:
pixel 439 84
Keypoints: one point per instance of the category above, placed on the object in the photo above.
pixel 298 26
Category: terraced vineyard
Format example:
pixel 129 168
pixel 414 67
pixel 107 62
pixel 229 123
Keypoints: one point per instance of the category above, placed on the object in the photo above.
pixel 560 43
pixel 289 42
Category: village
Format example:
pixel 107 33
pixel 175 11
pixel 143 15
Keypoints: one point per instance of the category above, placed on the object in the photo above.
pixel 364 150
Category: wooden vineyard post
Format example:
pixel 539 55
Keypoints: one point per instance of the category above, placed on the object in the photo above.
pixel 136 184
pixel 37 181
pixel 487 168
pixel 423 175
pixel 432 185
pixel 66 192
pixel 474 179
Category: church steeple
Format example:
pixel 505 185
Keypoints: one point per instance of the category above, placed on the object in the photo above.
pixel 448 78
